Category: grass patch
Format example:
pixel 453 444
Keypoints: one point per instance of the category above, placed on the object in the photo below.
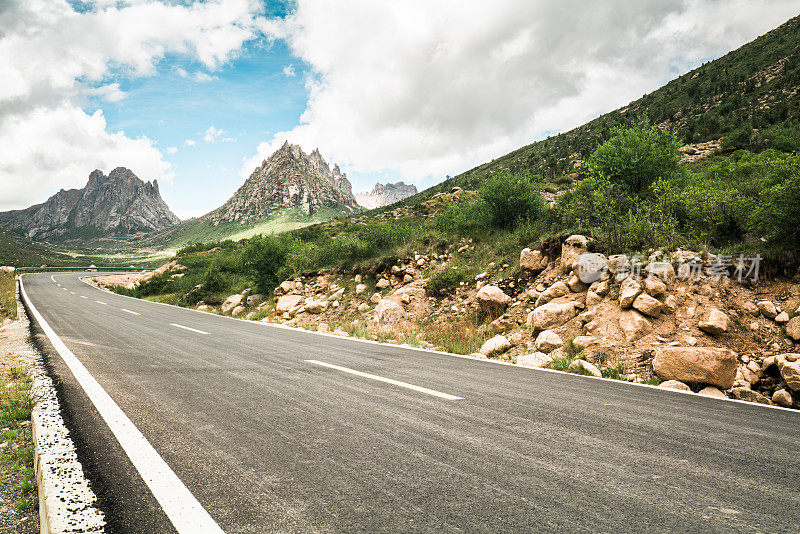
pixel 447 279
pixel 616 371
pixel 16 458
pixel 8 296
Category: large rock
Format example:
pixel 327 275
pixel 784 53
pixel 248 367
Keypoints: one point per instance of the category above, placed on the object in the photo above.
pixel 705 365
pixel 767 308
pixel 647 305
pixel 552 314
pixel 783 397
pixel 793 328
pixel 674 384
pixel 287 302
pixel 628 291
pixel 654 286
pixel 316 306
pixel 231 302
pixel 711 391
pixel 492 300
pixel 584 367
pixel 574 246
pixel 633 325
pixel 747 394
pixel 535 360
pixel 559 289
pixel 547 341
pixel 619 263
pixel 387 312
pixel 589 267
pixel 714 322
pixel 532 260
pixel 255 300
pixel 496 345
pixel 789 365
pixel 663 270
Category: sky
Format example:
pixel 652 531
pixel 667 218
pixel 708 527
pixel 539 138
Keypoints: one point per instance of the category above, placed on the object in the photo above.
pixel 196 94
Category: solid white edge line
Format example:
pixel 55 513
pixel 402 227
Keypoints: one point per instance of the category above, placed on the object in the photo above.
pixel 131 312
pixel 387 380
pixel 428 352
pixel 190 329
pixel 182 508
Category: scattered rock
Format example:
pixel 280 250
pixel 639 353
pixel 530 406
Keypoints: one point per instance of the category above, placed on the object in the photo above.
pixel 316 306
pixel 574 246
pixel 375 298
pixel 750 308
pixel 654 286
pixel 387 312
pixel 663 270
pixel 782 318
pixel 536 360
pixel 782 397
pixel 363 307
pixel 589 267
pixel 231 302
pixel 497 345
pixel 628 292
pixel 576 285
pixel 675 384
pixel 547 341
pixel 552 314
pixel 789 366
pixel 711 391
pixel 670 304
pixel 360 288
pixel 255 300
pixel 767 308
pixel 492 300
pixel 287 302
pixel 287 286
pixel 583 342
pixel 793 328
pixel 714 322
pixel 647 305
pixel 559 289
pixel 634 326
pixel 619 264
pixel 578 365
pixel 593 299
pixel 747 394
pixel 705 365
pixel 383 283
pixel 237 311
pixel 532 260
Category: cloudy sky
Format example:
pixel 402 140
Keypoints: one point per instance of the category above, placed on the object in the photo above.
pixel 197 93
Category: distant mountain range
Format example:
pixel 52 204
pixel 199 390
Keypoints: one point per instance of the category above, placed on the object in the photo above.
pixel 119 204
pixel 383 195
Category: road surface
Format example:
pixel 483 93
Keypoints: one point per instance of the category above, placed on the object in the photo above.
pixel 280 430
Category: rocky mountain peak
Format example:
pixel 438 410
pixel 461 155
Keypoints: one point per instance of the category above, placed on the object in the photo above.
pixel 385 194
pixel 117 204
pixel 288 178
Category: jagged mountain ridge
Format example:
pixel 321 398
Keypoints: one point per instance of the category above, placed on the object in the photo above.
pixel 385 194
pixel 288 178
pixel 120 204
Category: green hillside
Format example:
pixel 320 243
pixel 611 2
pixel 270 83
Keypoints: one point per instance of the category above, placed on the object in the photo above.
pixel 747 99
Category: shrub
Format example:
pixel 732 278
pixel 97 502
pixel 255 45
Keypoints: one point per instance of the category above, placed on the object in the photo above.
pixel 447 279
pixel 510 199
pixel 264 260
pixel 635 157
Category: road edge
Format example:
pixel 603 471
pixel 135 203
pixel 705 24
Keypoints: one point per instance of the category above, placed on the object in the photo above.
pixel 66 501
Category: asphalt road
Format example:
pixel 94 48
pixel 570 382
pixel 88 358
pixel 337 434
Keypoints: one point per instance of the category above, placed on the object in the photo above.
pixel 267 441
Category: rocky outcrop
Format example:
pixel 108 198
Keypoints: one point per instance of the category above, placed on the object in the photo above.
pixel 383 195
pixel 119 204
pixel 704 365
pixel 288 178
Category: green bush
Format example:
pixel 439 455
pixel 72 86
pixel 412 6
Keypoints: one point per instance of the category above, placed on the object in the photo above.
pixel 510 199
pixel 447 279
pixel 264 260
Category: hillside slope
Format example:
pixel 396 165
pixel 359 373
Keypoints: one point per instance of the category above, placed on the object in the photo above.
pixel 749 98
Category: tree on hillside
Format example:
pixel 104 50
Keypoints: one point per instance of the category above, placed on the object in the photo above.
pixel 636 157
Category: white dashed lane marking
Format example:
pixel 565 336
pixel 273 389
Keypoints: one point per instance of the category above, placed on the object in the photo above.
pixel 189 329
pixel 129 311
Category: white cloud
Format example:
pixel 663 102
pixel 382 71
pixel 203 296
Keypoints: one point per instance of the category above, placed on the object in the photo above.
pixel 199 76
pixel 171 150
pixel 189 142
pixel 53 58
pixel 214 135
pixel 288 71
pixel 433 88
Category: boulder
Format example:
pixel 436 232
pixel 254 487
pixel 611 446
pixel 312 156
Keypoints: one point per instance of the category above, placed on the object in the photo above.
pixel 231 302
pixel 583 367
pixel 492 300
pixel 593 299
pixel 705 365
pixel 547 341
pixel 663 270
pixel 628 292
pixel 589 267
pixel 654 286
pixel 574 246
pixel 559 289
pixel 383 283
pixel 583 342
pixel 782 318
pixel 634 325
pixel 532 260
pixel 618 263
pixel 552 314
pixel 387 312
pixel 363 307
pixel 782 397
pixel 575 285
pixel 316 306
pixel 535 360
pixel 793 328
pixel 750 308
pixel 287 302
pixel 336 295
pixel 674 384
pixel 711 391
pixel 714 322
pixel 255 300
pixel 747 394
pixel 647 305
pixel 789 366
pixel 237 311
pixel 287 286
pixel 767 308
pixel 375 298
pixel 670 304
pixel 496 345
pixel 360 288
